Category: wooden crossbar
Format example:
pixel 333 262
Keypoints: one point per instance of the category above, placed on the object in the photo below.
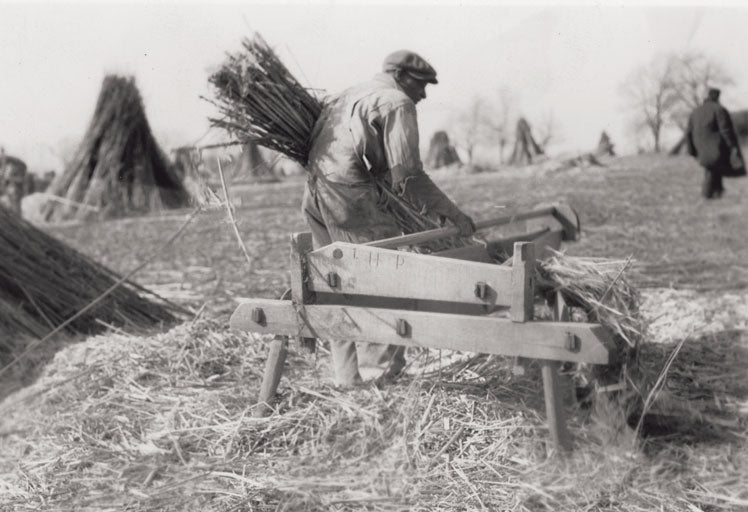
pixel 560 341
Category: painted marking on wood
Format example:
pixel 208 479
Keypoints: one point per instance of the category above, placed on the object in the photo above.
pixel 390 273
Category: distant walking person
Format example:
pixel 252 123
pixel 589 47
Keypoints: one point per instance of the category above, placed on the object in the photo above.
pixel 712 140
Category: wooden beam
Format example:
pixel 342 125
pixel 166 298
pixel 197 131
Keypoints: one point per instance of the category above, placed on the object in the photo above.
pixel 271 378
pixel 553 388
pixel 468 253
pixel 301 246
pixel 436 234
pixel 523 282
pixel 352 269
pixel 506 244
pixel 562 341
pixel 546 242
pixel 554 409
pixel 569 219
pixel 563 218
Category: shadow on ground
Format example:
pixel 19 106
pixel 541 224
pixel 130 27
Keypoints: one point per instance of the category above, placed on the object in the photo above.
pixel 704 399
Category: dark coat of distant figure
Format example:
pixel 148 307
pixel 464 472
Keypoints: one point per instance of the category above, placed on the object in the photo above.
pixel 711 139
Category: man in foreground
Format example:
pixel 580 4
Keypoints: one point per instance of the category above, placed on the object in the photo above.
pixel 712 140
pixel 366 132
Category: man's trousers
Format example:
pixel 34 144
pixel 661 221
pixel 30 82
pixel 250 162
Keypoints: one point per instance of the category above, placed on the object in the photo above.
pixel 352 213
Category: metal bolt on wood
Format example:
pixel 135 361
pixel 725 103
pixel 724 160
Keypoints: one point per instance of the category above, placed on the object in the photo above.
pixel 481 290
pixel 258 316
pixel 403 328
pixel 572 342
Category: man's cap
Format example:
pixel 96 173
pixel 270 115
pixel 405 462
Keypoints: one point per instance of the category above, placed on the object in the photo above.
pixel 412 63
pixel 713 93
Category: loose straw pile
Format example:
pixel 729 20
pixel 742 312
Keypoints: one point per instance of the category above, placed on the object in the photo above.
pixel 166 423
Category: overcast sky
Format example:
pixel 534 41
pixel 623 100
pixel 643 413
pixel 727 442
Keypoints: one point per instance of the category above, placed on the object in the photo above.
pixel 559 59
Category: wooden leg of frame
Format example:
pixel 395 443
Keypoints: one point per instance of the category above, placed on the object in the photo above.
pixel 554 388
pixel 561 313
pixel 271 378
pixel 554 409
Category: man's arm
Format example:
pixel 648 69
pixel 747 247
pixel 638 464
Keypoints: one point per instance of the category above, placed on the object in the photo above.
pixel 401 146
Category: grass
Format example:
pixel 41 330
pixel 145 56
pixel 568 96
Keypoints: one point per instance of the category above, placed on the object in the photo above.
pixel 165 422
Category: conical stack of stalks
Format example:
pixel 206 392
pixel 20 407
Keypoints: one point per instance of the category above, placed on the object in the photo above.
pixel 118 169
pixel 43 282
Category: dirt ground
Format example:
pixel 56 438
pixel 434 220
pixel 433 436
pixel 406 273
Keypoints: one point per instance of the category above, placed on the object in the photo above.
pixel 689 259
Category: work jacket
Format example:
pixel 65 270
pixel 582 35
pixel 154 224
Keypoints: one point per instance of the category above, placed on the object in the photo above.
pixel 370 131
pixel 711 137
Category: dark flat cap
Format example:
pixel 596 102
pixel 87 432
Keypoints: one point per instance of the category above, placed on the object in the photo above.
pixel 412 63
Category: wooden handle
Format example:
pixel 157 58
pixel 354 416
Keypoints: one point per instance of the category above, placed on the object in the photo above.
pixel 436 234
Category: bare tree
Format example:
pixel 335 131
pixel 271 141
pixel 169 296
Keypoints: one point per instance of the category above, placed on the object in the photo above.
pixel 547 130
pixel 472 125
pixel 691 75
pixel 650 96
pixel 665 91
pixel 502 118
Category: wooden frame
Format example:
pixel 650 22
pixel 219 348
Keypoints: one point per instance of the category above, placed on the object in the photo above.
pixel 346 277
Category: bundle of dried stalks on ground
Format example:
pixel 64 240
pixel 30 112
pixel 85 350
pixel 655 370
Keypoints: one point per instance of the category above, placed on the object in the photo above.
pixel 599 288
pixel 43 282
pixel 262 103
pixel 118 168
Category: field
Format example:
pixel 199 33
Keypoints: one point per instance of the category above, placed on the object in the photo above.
pixel 163 421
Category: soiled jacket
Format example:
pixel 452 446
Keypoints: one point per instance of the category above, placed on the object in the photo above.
pixel 368 131
pixel 710 136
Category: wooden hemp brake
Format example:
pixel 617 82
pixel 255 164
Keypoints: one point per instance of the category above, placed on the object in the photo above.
pixel 377 294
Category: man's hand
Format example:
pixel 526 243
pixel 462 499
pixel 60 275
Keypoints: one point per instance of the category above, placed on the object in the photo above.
pixel 422 192
pixel 464 222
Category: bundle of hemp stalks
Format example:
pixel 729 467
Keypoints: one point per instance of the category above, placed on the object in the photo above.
pixel 118 169
pixel 599 288
pixel 43 282
pixel 261 102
